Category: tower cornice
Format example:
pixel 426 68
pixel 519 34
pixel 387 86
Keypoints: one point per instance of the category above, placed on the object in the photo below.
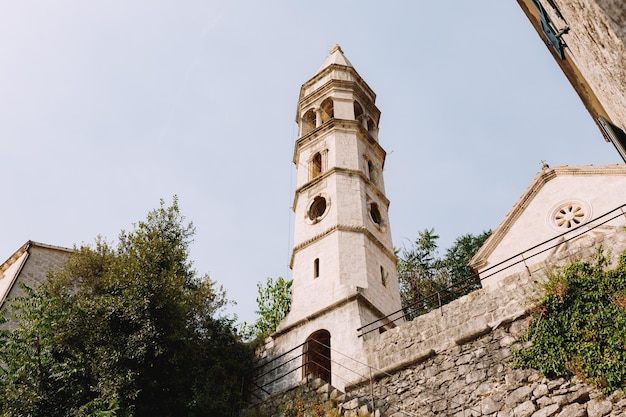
pixel 341 68
pixel 327 127
pixel 357 296
pixel 343 228
pixel 355 87
pixel 341 171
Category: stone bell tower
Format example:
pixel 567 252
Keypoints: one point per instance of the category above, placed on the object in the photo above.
pixel 344 267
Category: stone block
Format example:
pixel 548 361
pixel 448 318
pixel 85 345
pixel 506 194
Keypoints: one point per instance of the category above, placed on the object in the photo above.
pixel 573 410
pixel 599 408
pixel 519 395
pixel 351 405
pixel 489 406
pixel 472 330
pixel 323 389
pixel 525 409
pixel 476 376
pixel 547 411
pixel 540 391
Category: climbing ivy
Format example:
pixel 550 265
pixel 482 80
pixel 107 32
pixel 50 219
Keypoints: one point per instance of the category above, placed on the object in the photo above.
pixel 579 326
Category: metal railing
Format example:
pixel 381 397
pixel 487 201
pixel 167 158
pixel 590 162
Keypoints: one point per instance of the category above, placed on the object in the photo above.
pixel 374 395
pixel 446 295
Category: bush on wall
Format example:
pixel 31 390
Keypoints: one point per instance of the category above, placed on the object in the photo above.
pixel 579 326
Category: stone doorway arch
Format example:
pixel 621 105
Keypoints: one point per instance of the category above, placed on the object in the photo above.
pixel 316 358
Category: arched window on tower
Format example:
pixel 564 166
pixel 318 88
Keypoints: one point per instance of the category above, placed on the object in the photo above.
pixel 316 358
pixel 327 110
pixel 375 215
pixel 316 165
pixel 358 110
pixel 308 121
pixel 371 171
pixel 316 268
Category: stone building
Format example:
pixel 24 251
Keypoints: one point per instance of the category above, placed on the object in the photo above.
pixel 343 262
pixel 29 265
pixel 587 38
pixel 564 208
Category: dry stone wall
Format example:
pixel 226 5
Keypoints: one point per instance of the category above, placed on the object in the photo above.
pixel 476 379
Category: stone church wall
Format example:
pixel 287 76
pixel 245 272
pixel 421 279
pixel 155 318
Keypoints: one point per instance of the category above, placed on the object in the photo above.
pixel 597 42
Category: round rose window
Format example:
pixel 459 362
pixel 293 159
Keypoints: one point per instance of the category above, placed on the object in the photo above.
pixel 317 208
pixel 568 215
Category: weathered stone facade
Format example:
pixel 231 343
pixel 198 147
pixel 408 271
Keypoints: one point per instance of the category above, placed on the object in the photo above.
pixel 593 35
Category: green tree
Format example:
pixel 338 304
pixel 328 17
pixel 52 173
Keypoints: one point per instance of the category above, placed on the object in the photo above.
pixel 458 256
pixel 420 274
pixel 273 303
pixel 427 280
pixel 124 331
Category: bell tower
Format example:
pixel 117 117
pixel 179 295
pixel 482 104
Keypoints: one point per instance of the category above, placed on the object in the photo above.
pixel 343 263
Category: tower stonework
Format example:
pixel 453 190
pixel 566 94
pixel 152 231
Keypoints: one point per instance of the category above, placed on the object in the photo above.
pixel 342 238
pixel 343 262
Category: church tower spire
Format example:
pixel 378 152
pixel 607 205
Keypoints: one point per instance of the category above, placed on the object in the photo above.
pixel 344 267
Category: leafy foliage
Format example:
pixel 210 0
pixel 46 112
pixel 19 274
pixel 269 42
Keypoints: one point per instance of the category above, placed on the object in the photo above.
pixel 579 326
pixel 273 303
pixel 428 281
pixel 125 331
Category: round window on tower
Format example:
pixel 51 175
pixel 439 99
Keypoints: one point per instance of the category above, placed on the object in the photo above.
pixel 317 209
pixel 375 214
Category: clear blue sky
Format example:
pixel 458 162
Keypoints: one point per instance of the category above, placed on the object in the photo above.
pixel 108 106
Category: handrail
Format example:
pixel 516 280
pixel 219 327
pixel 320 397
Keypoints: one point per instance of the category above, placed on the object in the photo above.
pixel 477 276
pixel 372 397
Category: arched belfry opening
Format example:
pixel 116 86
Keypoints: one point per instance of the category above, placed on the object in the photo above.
pixel 358 110
pixel 316 358
pixel 327 109
pixel 308 122
pixel 316 165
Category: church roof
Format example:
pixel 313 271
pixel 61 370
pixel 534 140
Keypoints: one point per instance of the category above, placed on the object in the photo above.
pixel 336 57
pixel 538 183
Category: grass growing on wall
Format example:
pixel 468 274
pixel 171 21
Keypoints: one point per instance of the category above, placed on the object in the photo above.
pixel 579 326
